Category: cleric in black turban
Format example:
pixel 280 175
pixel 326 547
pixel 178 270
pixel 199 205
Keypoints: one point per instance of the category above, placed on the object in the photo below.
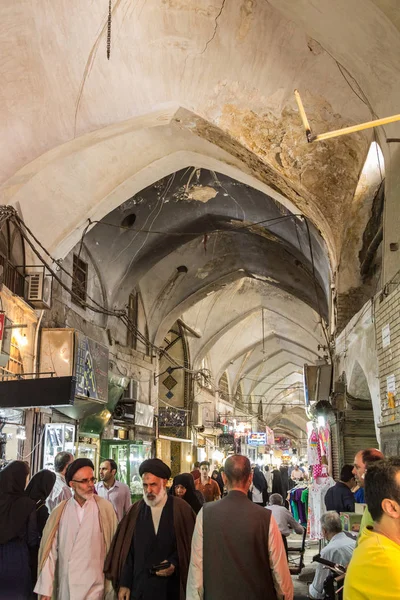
pixel 74 467
pixel 156 467
pixel 157 529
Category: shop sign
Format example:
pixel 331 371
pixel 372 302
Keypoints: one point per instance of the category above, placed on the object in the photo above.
pixel 257 438
pixel 91 369
pixel 144 415
pixel 283 443
pixel 171 417
pixel 226 441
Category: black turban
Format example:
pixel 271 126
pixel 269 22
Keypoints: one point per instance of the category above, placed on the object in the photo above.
pixel 77 464
pixel 156 467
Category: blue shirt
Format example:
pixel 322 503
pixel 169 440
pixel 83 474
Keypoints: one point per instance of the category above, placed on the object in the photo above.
pixel 360 496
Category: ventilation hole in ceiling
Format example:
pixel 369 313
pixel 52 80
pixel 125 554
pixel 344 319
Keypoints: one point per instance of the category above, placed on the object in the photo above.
pixel 182 269
pixel 129 220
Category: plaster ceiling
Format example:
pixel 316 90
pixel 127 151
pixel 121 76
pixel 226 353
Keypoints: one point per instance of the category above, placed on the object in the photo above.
pixel 79 128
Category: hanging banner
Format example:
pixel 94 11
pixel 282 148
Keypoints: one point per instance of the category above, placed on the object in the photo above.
pixel 270 436
pixel 257 438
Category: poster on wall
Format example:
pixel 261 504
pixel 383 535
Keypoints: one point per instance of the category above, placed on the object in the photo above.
pixel 391 384
pixel 386 336
pixel 91 368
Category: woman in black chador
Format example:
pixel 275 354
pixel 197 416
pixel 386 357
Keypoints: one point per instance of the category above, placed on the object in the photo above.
pixel 183 487
pixel 38 490
pixel 17 531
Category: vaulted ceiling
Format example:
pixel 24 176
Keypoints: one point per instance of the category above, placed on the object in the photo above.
pixel 249 277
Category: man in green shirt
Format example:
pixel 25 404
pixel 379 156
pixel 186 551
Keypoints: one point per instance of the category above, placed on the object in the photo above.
pixel 362 460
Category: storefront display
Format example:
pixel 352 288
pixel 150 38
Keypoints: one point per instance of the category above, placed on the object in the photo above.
pixel 128 456
pixel 89 447
pixel 58 437
pixel 12 434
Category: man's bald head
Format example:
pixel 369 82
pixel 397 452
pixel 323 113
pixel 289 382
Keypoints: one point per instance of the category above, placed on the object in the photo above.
pixel 237 471
pixel 362 460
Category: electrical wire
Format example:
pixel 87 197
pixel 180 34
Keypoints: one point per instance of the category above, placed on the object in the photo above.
pixel 316 291
pixel 272 220
pixel 93 304
pixel 9 213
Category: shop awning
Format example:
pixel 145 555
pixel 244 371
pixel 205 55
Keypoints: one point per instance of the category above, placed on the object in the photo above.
pixel 30 393
pixel 49 392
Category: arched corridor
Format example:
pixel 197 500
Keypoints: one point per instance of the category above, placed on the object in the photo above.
pixel 188 271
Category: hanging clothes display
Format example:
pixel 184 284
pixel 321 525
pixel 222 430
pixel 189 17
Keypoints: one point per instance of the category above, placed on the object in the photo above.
pixel 299 503
pixel 316 506
pixel 313 457
pixel 319 449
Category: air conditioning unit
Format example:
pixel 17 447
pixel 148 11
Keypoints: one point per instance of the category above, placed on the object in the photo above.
pixel 131 392
pixel 39 289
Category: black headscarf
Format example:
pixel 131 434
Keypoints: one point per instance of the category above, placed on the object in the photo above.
pixel 285 480
pixel 187 481
pixel 40 486
pixel 259 480
pixel 15 505
pixel 277 487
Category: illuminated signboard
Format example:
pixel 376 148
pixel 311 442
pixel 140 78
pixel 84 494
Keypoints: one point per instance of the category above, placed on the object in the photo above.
pixel 257 438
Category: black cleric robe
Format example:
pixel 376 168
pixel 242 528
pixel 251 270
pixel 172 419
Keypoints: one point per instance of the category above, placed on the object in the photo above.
pixel 136 548
pixel 149 549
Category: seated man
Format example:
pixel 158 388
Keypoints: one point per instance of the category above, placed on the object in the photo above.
pixel 286 522
pixel 339 550
pixel 374 572
pixel 340 497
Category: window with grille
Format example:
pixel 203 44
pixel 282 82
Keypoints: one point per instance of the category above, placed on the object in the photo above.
pixel 223 387
pixel 131 338
pixel 79 282
pixel 239 395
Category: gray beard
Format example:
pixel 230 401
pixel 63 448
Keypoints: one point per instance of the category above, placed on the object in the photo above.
pixel 157 499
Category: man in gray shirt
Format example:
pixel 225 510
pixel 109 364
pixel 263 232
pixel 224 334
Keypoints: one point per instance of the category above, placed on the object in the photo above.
pixel 286 522
pixel 111 489
pixel 339 550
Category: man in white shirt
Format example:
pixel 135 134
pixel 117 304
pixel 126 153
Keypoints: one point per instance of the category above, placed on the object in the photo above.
pixel 75 541
pixel 339 550
pixel 116 492
pixel 237 548
pixel 61 491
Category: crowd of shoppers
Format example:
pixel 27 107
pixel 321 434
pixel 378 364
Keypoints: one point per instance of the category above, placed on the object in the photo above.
pixel 160 550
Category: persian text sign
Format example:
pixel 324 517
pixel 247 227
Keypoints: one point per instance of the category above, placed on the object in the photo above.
pixel 257 438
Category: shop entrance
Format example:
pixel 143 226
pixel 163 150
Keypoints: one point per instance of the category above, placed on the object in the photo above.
pixel 128 456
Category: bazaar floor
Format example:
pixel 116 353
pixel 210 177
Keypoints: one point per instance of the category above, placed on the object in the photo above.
pixel 301 582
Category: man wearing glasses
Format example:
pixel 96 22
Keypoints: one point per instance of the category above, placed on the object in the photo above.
pixel 75 541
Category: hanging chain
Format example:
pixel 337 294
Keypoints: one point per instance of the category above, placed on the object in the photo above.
pixel 109 30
